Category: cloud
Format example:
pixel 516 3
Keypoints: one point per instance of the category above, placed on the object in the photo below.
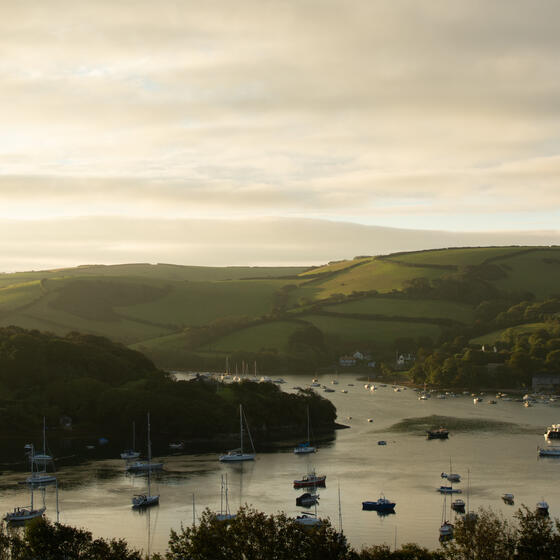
pixel 312 108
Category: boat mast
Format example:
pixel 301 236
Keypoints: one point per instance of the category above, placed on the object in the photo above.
pixel 241 426
pixel 133 435
pixel 44 436
pixel 308 440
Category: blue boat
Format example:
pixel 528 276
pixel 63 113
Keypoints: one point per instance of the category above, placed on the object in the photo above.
pixel 383 505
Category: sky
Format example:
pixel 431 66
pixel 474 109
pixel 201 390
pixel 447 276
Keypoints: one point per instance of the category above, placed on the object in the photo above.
pixel 193 121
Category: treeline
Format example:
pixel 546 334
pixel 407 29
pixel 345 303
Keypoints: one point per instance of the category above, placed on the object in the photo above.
pixel 253 535
pixel 97 385
pixel 510 363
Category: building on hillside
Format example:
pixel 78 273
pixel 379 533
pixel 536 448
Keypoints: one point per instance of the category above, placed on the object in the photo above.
pixel 347 361
pixel 358 355
pixel 404 360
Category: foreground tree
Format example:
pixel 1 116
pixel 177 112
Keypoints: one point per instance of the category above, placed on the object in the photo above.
pixel 54 541
pixel 253 535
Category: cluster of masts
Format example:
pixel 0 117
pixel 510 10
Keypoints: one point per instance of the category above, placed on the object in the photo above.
pixel 39 479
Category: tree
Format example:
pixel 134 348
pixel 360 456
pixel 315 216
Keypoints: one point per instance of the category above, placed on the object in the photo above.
pixel 537 536
pixel 253 535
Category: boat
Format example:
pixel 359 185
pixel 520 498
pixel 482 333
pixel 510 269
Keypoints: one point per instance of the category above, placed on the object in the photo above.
pixel 449 490
pixel 552 432
pixel 328 390
pixel 451 476
pixel 381 442
pixel 38 477
pixel 344 390
pixel 177 445
pixel 308 519
pixel 423 397
pixel 458 505
pixel 382 505
pixel 548 451
pixel 279 381
pixel 43 459
pixel 492 401
pixel 334 382
pixel 146 500
pixel 508 499
pixel 143 466
pixel 527 404
pixel 26 513
pixel 224 514
pixel 542 508
pixel 446 528
pixel 131 454
pixel 304 448
pixel 440 433
pixel 23 514
pixel 236 455
pixel 476 400
pixel 310 479
pixel 307 499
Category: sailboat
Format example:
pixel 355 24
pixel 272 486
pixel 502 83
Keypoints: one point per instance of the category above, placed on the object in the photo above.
pixel 446 528
pixel 131 454
pixel 44 458
pixel 224 514
pixel 306 447
pixel 25 513
pixel 238 454
pixel 38 477
pixel 145 500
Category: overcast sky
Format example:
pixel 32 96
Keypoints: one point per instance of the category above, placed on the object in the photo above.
pixel 436 115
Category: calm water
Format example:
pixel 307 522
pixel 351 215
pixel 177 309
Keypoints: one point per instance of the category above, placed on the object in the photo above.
pixel 97 495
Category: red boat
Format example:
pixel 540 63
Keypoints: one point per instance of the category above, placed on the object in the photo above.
pixel 310 479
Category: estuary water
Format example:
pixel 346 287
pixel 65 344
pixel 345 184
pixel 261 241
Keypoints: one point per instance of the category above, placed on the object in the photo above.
pixel 97 495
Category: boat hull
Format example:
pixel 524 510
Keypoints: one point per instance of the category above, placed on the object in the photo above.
pixel 375 506
pixel 311 482
pixel 21 515
pixel 144 467
pixel 237 458
pixel 143 501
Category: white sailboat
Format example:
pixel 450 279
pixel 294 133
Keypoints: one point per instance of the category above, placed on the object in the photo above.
pixel 145 500
pixel 131 454
pixel 446 528
pixel 306 447
pixel 38 477
pixel 43 459
pixel 25 513
pixel 238 454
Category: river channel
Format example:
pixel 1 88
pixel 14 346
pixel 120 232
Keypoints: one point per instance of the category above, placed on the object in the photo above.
pixel 97 495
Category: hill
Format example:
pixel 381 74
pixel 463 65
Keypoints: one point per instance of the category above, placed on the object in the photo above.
pixel 195 317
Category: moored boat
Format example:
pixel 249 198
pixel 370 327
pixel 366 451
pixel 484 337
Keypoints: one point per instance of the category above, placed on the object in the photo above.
pixel 542 508
pixel 440 433
pixel 449 490
pixel 236 455
pixel 307 500
pixel 549 451
pixel 552 432
pixel 310 480
pixel 308 520
pixel 458 505
pixel 508 499
pixel 382 504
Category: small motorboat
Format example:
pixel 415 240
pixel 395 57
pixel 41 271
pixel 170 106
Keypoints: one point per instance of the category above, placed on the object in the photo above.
pixel 144 500
pixel 548 451
pixel 476 400
pixel 449 490
pixel 311 479
pixel 382 505
pixel 307 500
pixel 177 445
pixel 381 442
pixel 458 505
pixel 508 499
pixel 440 433
pixel 344 391
pixel 370 419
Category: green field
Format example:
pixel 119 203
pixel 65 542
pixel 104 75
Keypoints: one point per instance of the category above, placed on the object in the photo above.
pixel 267 336
pixel 200 303
pixel 16 296
pixel 373 332
pixel 333 267
pixel 393 307
pixel 500 335
pixel 537 272
pixel 376 274
pixel 456 257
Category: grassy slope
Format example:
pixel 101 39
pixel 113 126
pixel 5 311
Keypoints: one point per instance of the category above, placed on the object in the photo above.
pixel 199 303
pixel 458 257
pixel 406 308
pixel 373 274
pixel 537 271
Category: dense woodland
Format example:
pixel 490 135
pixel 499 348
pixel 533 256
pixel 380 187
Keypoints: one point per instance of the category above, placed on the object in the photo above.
pixel 102 386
